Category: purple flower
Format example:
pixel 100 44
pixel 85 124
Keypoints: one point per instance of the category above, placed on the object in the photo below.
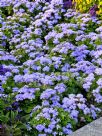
pixel 67 131
pixel 45 103
pixel 51 126
pixel 48 130
pixel 74 113
pixel 67 4
pixel 47 93
pixel 40 127
pixel 69 126
pixel 42 135
pixel 98 71
pixel 93 10
pixel 86 111
pixel 3 70
pixel 60 88
pixel 46 68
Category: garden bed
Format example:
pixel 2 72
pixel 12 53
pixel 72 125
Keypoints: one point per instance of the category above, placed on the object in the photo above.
pixel 50 68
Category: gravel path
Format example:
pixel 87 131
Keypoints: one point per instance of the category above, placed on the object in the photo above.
pixel 92 129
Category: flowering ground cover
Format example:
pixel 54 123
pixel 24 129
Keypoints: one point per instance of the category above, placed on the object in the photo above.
pixel 50 68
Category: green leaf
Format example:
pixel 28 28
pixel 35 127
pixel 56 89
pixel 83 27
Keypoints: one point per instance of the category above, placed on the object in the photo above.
pixel 12 115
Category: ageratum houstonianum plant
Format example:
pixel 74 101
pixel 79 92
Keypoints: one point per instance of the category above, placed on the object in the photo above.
pixel 50 68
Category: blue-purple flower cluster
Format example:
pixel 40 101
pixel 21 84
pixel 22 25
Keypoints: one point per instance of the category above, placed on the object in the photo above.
pixel 51 61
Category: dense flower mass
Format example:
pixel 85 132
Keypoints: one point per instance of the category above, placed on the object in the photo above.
pixel 50 67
